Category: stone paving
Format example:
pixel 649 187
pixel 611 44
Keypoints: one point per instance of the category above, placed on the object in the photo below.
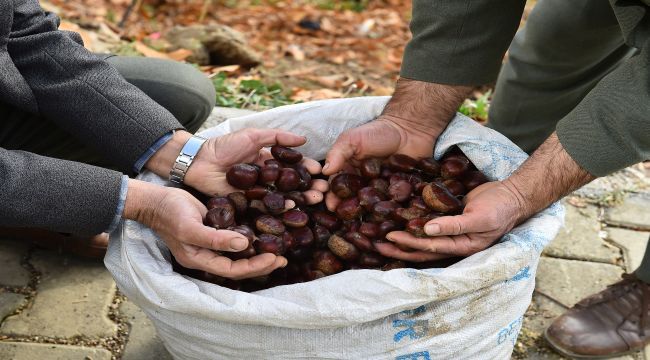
pixel 55 306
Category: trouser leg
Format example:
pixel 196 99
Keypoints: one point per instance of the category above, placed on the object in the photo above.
pixel 180 88
pixel 643 271
pixel 562 52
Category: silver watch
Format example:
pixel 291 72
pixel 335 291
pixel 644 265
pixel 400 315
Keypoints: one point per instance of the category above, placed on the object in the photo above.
pixel 185 158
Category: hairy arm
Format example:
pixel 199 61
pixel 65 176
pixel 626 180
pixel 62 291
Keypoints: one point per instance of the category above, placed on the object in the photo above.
pixel 423 106
pixel 547 176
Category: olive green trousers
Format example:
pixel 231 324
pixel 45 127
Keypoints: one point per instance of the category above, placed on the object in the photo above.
pixel 562 52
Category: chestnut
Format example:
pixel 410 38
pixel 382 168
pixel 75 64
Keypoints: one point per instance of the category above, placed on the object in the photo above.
pixel 349 209
pixel 288 180
pixel 401 162
pixel 346 185
pixel 371 168
pixel 429 166
pixel 327 263
pixel 359 240
pixel 267 224
pixel 400 190
pixel 341 248
pixel 239 201
pixel 269 243
pixel 242 176
pixel 285 154
pixel 274 202
pixel 295 218
pixel 438 198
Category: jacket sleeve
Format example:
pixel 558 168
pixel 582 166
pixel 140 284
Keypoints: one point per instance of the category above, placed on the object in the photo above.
pixel 54 194
pixel 610 128
pixel 80 92
pixel 460 42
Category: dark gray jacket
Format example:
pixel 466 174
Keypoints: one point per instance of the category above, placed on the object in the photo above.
pixel 47 71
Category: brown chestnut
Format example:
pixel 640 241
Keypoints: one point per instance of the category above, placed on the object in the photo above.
pixel 342 248
pixel 438 198
pixel 267 224
pixel 285 154
pixel 242 176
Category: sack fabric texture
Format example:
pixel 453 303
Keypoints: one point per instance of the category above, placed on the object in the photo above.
pixel 470 310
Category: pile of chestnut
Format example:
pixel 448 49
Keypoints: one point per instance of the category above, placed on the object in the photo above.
pixel 382 195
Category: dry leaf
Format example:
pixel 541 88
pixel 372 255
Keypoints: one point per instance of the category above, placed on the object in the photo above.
pixel 320 94
pixel 296 52
pixel 149 52
pixel 180 54
pixel 576 201
pixel 85 35
pixel 227 69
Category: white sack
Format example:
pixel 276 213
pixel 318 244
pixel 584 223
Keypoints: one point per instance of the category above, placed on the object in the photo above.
pixel 470 310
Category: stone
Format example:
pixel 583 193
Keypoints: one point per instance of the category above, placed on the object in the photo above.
pixel 31 351
pixel 569 281
pixel 632 243
pixel 634 213
pixel 143 343
pixel 11 254
pixel 213 44
pixel 579 238
pixel 72 299
pixel 221 114
pixel 9 302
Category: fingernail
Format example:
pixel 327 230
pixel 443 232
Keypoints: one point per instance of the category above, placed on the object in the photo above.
pixel 432 229
pixel 238 243
pixel 390 237
pixel 327 165
pixel 285 263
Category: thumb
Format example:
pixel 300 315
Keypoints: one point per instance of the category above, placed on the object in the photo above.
pixel 339 155
pixel 456 225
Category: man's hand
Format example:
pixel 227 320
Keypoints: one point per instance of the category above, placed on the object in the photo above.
pixel 414 117
pixel 208 171
pixel 493 209
pixel 177 217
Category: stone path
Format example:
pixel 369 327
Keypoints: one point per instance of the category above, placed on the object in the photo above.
pixel 54 306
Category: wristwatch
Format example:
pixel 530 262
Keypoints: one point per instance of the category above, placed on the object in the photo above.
pixel 185 158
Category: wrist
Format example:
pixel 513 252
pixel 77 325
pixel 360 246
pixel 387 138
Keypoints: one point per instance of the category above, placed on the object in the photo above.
pixel 163 160
pixel 142 199
pixel 426 106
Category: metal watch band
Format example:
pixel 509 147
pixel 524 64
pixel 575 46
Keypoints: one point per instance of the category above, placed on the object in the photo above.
pixel 185 158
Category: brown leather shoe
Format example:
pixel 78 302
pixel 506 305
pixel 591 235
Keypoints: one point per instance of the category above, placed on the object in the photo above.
pixel 92 247
pixel 611 323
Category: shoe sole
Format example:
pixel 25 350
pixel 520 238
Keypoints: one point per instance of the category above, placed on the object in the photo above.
pixel 570 354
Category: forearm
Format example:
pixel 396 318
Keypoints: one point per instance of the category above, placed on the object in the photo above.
pixel 547 176
pixel 423 106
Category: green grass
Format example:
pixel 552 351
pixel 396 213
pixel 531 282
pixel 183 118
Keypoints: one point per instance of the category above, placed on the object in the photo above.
pixel 477 109
pixel 353 5
pixel 249 94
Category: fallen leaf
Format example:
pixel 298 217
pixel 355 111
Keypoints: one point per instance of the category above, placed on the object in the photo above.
pixel 149 52
pixel 320 94
pixel 296 52
pixel 85 36
pixel 577 202
pixel 181 55
pixel 228 68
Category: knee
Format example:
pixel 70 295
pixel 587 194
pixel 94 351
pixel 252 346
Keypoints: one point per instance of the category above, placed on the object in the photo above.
pixel 180 88
pixel 197 97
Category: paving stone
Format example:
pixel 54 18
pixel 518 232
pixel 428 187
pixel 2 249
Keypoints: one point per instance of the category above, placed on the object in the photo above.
pixel 568 281
pixel 9 302
pixel 143 343
pixel 72 299
pixel 633 213
pixel 32 351
pixel 11 253
pixel 633 244
pixel 220 114
pixel 579 238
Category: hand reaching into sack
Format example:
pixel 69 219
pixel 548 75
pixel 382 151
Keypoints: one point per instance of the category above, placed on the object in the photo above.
pixel 177 216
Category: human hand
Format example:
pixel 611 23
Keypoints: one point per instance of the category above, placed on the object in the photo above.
pixel 177 217
pixel 380 138
pixel 207 173
pixel 491 210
